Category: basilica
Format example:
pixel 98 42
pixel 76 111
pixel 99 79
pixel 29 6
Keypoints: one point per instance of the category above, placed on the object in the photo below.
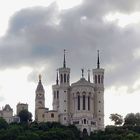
pixel 80 103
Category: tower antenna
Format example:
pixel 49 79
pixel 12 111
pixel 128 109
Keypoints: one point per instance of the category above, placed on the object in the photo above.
pixel 89 75
pixel 82 73
pixel 98 61
pixel 40 77
pixel 64 63
pixel 57 77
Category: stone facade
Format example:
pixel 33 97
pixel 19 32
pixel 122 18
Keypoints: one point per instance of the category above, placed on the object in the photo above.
pixel 21 106
pixel 80 103
pixel 40 102
pixel 7 114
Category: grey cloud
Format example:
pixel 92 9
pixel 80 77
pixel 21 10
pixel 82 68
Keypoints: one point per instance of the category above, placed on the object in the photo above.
pixel 37 36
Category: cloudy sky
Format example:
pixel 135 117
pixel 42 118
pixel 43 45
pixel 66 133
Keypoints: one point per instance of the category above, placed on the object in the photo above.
pixel 33 34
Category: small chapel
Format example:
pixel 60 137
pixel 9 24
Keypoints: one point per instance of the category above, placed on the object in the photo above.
pixel 80 103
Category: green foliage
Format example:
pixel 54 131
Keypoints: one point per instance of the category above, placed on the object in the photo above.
pixel 28 136
pixel 132 119
pixel 22 137
pixel 3 123
pixel 129 119
pixel 32 136
pixel 137 117
pixel 25 116
pixel 41 131
pixel 33 126
pixel 56 131
pixel 58 134
pixel 118 119
pixel 75 131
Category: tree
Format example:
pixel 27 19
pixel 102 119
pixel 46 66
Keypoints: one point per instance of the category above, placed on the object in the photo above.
pixel 118 119
pixel 137 117
pixel 132 119
pixel 32 136
pixel 129 119
pixel 25 116
pixel 34 126
pixel 3 123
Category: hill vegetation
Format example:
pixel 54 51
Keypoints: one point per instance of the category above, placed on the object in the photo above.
pixel 123 129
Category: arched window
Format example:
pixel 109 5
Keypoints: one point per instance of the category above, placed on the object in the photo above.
pixel 99 79
pixel 61 79
pixel 78 102
pixel 95 79
pixel 57 94
pixel 84 121
pixel 54 94
pixel 84 102
pixel 64 78
pixel 88 102
pixel 68 78
pixel 102 79
pixel 52 115
pixel 85 133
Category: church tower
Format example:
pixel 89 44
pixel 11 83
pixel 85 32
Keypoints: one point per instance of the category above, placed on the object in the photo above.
pixel 64 74
pixel 98 78
pixel 55 89
pixel 80 103
pixel 61 92
pixel 40 98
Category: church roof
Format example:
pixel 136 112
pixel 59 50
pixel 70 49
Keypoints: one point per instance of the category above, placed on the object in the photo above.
pixel 7 108
pixel 40 87
pixel 82 82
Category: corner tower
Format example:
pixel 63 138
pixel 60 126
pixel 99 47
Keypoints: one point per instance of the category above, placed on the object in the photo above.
pixel 98 80
pixel 64 73
pixel 61 92
pixel 40 98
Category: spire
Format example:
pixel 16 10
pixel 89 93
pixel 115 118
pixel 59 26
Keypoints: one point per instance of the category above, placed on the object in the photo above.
pixel 57 78
pixel 64 63
pixel 89 75
pixel 82 73
pixel 40 86
pixel 98 61
pixel 40 77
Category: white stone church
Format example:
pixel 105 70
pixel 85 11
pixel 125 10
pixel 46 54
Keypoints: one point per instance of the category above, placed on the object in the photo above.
pixel 80 103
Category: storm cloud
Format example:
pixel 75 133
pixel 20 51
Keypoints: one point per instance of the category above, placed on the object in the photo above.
pixel 37 36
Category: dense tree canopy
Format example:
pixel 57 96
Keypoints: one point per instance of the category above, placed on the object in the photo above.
pixel 39 131
pixel 132 119
pixel 25 116
pixel 3 123
pixel 55 131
